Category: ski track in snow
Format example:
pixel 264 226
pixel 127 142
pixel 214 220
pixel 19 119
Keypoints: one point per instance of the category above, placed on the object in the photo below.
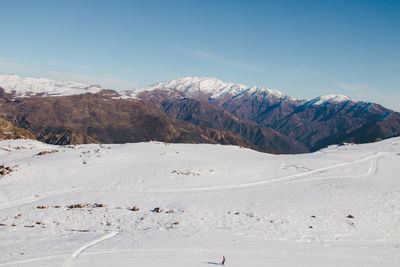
pixel 373 168
pixel 32 260
pixel 284 179
pixel 79 250
pixel 72 256
pixel 30 200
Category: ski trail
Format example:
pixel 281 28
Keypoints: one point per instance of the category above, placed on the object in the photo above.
pixel 79 250
pixel 22 201
pixel 280 179
pixel 29 200
pixel 373 167
pixel 19 262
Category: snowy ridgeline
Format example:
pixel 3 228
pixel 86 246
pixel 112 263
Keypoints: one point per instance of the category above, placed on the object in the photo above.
pixel 188 86
pixel 156 204
pixel 26 87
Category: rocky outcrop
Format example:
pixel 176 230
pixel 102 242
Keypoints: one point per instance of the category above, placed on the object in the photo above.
pixel 9 131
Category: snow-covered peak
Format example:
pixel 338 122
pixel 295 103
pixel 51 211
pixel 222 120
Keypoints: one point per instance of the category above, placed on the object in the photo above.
pixel 335 98
pixel 215 88
pixel 23 87
pixel 331 99
pixel 326 100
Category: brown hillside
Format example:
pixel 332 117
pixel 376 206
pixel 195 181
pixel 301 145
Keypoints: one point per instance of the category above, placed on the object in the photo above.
pixel 99 118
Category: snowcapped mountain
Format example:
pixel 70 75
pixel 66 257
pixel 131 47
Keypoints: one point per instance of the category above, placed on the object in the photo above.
pixel 26 87
pixel 214 88
pixel 190 87
pixel 328 99
pixel 315 123
pixel 237 108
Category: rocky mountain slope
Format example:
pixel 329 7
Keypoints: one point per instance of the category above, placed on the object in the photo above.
pixel 97 118
pixel 108 117
pixel 208 115
pixel 226 113
pixel 315 123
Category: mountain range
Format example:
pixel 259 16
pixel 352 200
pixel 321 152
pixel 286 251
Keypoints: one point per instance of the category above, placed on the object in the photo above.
pixel 192 110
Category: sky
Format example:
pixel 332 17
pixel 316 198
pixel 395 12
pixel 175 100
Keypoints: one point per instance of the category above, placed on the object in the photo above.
pixel 302 48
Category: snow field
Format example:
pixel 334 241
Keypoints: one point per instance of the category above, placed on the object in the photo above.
pixel 256 209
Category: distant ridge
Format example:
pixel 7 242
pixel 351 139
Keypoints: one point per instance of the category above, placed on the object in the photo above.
pixel 187 86
pixel 315 123
pixel 28 87
pixel 191 86
pixel 261 118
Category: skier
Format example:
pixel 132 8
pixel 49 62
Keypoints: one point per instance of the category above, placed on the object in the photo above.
pixel 223 260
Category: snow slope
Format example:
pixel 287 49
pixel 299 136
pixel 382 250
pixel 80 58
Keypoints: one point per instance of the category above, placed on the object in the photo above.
pixel 25 87
pixel 256 209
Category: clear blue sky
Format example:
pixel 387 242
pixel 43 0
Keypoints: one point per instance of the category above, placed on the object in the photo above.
pixel 302 48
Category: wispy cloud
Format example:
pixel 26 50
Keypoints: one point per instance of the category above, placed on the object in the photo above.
pixel 105 82
pixel 60 62
pixel 204 55
pixel 7 67
pixel 302 72
pixel 351 87
pixel 393 102
pixel 388 100
pixel 127 71
pixel 56 62
pixel 364 92
pixel 84 67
